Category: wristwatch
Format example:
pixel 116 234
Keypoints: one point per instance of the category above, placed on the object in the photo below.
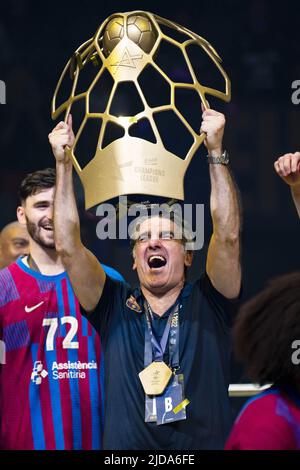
pixel 222 159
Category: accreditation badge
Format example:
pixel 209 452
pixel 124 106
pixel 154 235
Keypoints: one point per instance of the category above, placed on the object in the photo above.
pixel 168 407
pixel 150 409
pixel 155 377
pixel 171 405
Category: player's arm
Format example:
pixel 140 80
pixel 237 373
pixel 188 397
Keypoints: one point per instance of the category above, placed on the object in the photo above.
pixel 223 258
pixel 85 272
pixel 288 168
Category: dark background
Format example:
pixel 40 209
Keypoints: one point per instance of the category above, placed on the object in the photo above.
pixel 259 43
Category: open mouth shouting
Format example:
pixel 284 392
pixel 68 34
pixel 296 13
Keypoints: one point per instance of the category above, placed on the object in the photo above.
pixel 156 261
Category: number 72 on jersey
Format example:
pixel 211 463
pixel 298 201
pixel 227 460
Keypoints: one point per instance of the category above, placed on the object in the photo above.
pixel 68 342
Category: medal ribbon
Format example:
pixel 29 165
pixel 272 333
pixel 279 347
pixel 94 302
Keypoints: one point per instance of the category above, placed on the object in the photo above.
pixel 156 349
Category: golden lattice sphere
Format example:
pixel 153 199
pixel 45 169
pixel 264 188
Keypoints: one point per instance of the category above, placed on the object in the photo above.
pixel 139 29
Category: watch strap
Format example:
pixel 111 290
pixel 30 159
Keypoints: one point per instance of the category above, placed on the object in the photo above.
pixel 222 159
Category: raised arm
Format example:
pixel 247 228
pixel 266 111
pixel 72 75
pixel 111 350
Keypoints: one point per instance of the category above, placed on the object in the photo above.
pixel 85 272
pixel 288 168
pixel 223 258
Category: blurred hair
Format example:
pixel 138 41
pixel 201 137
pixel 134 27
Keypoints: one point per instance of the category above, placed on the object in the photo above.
pixel 35 182
pixel 265 329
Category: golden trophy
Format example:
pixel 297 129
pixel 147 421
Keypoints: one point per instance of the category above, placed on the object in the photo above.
pixel 124 47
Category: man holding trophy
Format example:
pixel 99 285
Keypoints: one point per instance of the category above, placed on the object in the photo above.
pixel 166 344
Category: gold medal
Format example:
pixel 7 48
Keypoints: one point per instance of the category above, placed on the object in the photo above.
pixel 155 378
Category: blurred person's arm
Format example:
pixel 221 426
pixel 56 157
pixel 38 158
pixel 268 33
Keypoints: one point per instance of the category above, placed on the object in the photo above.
pixel 85 272
pixel 223 258
pixel 288 168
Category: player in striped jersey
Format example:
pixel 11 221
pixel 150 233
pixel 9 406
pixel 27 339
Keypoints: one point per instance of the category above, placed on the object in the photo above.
pixel 50 367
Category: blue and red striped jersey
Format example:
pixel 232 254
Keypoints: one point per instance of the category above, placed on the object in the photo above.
pixel 52 369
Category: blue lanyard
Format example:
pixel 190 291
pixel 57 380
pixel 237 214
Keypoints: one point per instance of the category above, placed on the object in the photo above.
pixel 156 349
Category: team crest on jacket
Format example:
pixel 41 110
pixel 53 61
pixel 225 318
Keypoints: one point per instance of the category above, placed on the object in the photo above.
pixel 133 305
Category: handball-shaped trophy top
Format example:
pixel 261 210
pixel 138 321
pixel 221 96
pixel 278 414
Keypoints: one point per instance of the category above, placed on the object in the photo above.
pixel 136 158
